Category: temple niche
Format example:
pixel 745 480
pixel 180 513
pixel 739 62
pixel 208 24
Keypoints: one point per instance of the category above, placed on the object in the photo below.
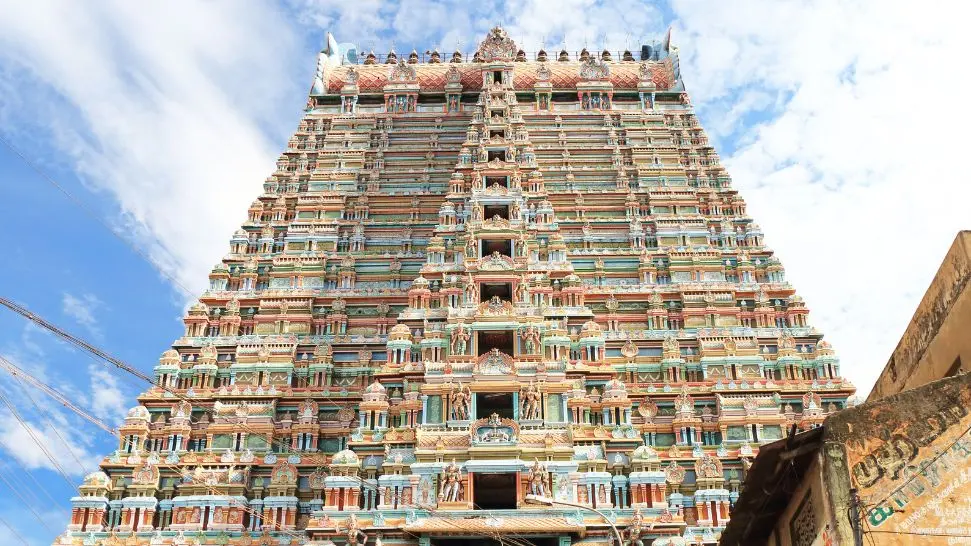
pixel 486 292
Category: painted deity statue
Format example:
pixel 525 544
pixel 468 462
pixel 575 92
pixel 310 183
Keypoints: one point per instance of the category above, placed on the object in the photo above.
pixel 355 536
pixel 460 399
pixel 530 338
pixel 536 480
pixel 451 490
pixel 531 402
pixel 636 529
pixel 522 290
pixel 460 339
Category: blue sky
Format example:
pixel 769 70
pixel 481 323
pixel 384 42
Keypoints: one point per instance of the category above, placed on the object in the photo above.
pixel 163 119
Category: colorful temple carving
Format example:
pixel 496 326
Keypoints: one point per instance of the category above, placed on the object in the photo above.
pixel 479 298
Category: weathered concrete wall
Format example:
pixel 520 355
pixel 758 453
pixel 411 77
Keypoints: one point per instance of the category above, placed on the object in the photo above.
pixel 808 519
pixel 939 333
pixel 909 456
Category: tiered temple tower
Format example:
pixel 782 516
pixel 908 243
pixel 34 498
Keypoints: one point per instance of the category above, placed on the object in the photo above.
pixel 508 296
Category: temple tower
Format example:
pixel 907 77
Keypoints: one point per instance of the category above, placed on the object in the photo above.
pixel 511 293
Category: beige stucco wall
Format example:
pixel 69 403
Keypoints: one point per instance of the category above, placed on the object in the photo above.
pixel 939 332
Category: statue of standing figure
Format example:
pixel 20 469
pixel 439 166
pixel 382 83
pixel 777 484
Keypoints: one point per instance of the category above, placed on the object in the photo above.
pixel 460 399
pixel 451 490
pixel 459 340
pixel 531 402
pixel 537 479
pixel 530 338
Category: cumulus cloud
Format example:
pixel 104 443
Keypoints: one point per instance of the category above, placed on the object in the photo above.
pixel 19 444
pixel 852 172
pixel 178 117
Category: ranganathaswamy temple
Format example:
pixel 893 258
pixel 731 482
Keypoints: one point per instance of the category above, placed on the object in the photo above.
pixel 497 298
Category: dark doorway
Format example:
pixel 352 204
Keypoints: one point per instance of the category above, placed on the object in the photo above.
pixel 497 154
pixel 502 340
pixel 497 76
pixel 534 541
pixel 494 491
pixel 503 290
pixel 491 211
pixel 500 180
pixel 487 403
pixel 502 246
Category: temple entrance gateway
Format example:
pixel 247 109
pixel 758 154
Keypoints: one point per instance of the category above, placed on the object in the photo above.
pixel 494 491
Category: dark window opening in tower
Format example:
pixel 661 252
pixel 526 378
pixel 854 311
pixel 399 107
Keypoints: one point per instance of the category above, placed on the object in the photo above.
pixel 497 76
pixel 487 403
pixel 532 540
pixel 502 246
pixel 496 133
pixel 501 340
pixel 501 290
pixel 491 211
pixel 494 491
pixel 500 180
pixel 497 154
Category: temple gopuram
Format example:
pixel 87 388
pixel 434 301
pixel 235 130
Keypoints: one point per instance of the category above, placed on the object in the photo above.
pixel 501 299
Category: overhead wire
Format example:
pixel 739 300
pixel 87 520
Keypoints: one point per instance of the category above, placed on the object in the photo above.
pixel 37 484
pixel 25 503
pixel 11 368
pixel 93 215
pixel 14 532
pixel 33 436
pixel 50 423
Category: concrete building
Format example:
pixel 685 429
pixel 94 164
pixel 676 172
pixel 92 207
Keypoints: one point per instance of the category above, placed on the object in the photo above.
pixel 906 457
pixel 937 342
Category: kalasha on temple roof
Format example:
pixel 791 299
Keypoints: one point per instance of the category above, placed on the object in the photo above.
pixel 512 297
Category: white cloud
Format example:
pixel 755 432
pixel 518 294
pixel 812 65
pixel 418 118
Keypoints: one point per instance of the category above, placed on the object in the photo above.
pixel 167 111
pixel 856 180
pixel 18 443
pixel 82 310
pixel 108 401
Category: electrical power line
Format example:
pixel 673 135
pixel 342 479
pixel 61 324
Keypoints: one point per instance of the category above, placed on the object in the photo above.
pixel 14 532
pixel 50 423
pixel 95 216
pixel 919 534
pixel 40 444
pixel 26 504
